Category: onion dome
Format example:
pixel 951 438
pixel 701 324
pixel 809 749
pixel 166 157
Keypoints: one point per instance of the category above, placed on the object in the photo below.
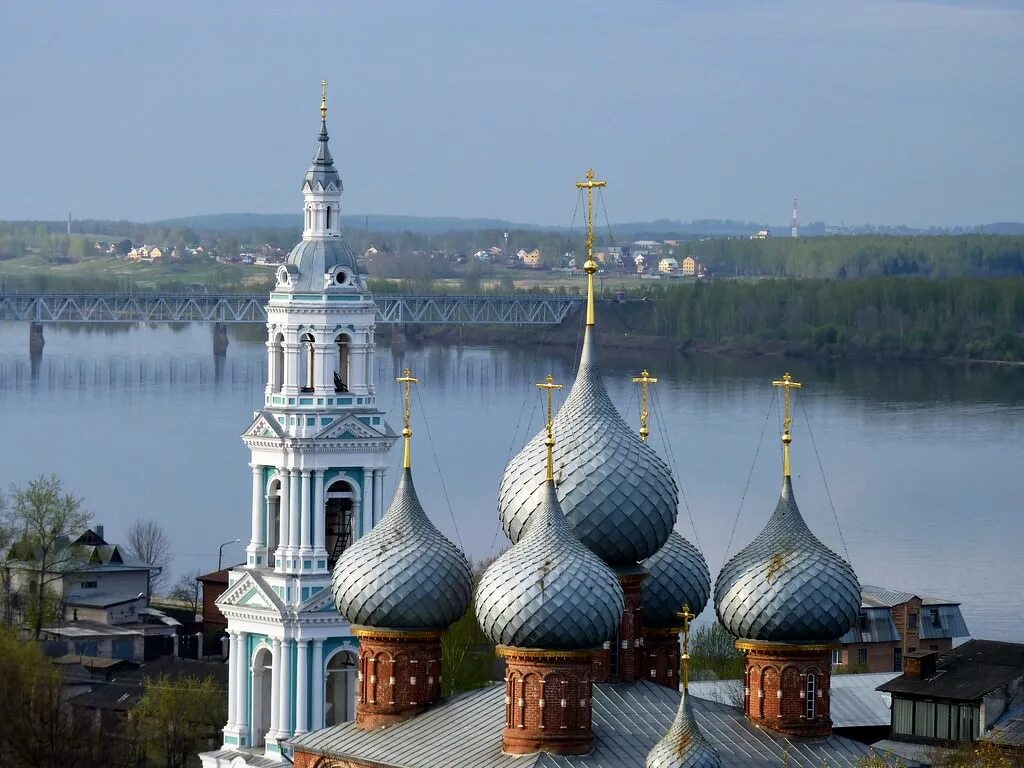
pixel 676 575
pixel 786 585
pixel 549 591
pixel 404 574
pixel 683 746
pixel 617 493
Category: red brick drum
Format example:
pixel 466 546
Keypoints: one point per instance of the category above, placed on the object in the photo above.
pixel 547 701
pixel 399 675
pixel 627 665
pixel 787 686
pixel 661 656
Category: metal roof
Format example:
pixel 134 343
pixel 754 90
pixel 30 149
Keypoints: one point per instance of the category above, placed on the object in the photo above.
pixel 854 701
pixel 1009 728
pixel 629 719
pixel 873 625
pixel 948 622
pixel 881 597
pixel 967 672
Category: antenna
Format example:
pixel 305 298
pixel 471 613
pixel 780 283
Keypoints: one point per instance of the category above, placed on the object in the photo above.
pixel 795 231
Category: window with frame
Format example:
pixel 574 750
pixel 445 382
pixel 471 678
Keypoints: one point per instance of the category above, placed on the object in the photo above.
pixel 897 659
pixel 862 656
pixel 911 621
pixel 88 585
pixel 811 691
pixel 837 657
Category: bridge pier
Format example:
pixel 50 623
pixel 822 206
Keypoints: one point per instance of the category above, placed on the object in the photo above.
pixel 35 339
pixel 220 339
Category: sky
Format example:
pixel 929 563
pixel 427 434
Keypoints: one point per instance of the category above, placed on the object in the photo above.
pixel 871 111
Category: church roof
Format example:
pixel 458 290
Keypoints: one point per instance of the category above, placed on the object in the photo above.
pixel 315 258
pixel 629 719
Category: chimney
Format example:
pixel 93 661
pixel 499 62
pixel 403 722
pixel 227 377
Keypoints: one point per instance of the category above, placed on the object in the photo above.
pixel 97 528
pixel 920 665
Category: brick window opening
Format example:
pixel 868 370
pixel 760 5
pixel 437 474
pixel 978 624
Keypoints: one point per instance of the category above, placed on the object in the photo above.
pixel 811 684
pixel 912 621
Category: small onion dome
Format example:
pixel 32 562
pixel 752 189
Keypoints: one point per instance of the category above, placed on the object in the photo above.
pixel 403 574
pixel 787 586
pixel 676 575
pixel 549 591
pixel 617 493
pixel 683 746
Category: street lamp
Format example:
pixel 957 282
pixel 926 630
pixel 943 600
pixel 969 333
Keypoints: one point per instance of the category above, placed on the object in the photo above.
pixel 220 553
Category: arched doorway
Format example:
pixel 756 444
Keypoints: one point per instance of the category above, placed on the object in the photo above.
pixel 262 693
pixel 338 508
pixel 340 689
pixel 277 363
pixel 306 344
pixel 273 518
pixel 343 376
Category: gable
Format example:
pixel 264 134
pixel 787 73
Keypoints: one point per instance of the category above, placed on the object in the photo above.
pixel 250 591
pixel 349 428
pixel 263 426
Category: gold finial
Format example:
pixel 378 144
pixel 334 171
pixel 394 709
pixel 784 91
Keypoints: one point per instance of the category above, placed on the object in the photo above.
pixel 323 99
pixel 684 661
pixel 787 383
pixel 643 380
pixel 408 380
pixel 549 441
pixel 590 266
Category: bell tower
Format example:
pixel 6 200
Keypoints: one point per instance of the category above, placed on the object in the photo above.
pixel 319 448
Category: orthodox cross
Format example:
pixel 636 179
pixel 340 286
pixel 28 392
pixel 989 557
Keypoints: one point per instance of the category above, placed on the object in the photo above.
pixel 590 266
pixel 643 380
pixel 549 441
pixel 323 99
pixel 408 380
pixel 684 661
pixel 787 384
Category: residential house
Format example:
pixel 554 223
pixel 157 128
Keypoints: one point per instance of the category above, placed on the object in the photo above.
pixel 974 692
pixel 691 267
pixel 530 258
pixel 668 266
pixel 893 624
pixel 214 585
pixel 761 234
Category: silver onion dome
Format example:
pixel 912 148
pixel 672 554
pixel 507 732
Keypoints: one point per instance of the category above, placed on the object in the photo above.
pixel 549 591
pixel 677 575
pixel 786 585
pixel 683 746
pixel 404 574
pixel 617 493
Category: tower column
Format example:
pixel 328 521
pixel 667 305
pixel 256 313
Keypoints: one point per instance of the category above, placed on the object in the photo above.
pixel 233 664
pixel 284 726
pixel 305 511
pixel 367 507
pixel 301 683
pixel 318 510
pixel 358 366
pixel 284 504
pixel 241 655
pixel 275 696
pixel 294 511
pixel 292 374
pixel 256 543
pixel 317 675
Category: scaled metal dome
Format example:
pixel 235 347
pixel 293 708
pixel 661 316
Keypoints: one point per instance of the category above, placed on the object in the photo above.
pixel 787 586
pixel 404 574
pixel 617 493
pixel 549 591
pixel 677 575
pixel 683 746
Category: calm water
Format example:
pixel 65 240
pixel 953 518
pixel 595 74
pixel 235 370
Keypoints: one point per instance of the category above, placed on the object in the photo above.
pixel 923 463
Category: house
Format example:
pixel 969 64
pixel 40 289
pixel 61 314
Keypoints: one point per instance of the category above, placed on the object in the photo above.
pixel 214 585
pixel 146 253
pixel 530 258
pixel 482 255
pixel 974 692
pixel 893 624
pixel 668 266
pixel 761 234
pixel 691 267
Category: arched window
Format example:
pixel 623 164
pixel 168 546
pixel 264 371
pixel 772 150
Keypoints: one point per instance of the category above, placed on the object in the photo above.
pixel 340 689
pixel 273 518
pixel 342 374
pixel 328 217
pixel 307 343
pixel 262 694
pixel 338 520
pixel 811 693
pixel 277 363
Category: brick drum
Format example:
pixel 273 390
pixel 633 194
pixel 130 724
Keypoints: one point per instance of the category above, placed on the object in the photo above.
pixel 399 675
pixel 547 701
pixel 781 678
pixel 661 656
pixel 628 641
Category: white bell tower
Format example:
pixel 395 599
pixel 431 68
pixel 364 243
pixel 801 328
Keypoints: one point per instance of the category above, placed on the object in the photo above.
pixel 319 451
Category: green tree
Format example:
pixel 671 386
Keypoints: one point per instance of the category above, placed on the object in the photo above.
pixel 178 718
pixel 714 655
pixel 45 519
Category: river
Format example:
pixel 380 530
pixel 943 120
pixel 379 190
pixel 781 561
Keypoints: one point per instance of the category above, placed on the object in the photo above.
pixel 923 462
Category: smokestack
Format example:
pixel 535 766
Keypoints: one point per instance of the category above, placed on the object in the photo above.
pixel 795 231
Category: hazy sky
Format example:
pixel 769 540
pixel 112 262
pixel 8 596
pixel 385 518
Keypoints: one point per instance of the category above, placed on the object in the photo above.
pixel 880 111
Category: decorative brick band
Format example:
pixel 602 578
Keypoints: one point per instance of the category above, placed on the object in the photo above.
pixel 661 656
pixel 547 701
pixel 399 675
pixel 787 686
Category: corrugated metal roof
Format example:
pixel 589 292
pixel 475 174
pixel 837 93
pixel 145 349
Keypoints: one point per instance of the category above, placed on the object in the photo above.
pixel 1009 728
pixel 943 621
pixel 873 625
pixel 882 597
pixel 967 672
pixel 854 701
pixel 628 720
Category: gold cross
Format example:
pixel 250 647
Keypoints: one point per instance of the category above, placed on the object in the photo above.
pixel 549 441
pixel 590 266
pixel 684 661
pixel 787 384
pixel 408 380
pixel 643 380
pixel 323 99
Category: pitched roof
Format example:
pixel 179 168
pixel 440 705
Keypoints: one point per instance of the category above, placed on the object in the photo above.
pixel 967 672
pixel 628 720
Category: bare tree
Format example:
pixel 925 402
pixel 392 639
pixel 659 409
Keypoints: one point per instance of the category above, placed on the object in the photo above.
pixel 186 590
pixel 148 542
pixel 43 519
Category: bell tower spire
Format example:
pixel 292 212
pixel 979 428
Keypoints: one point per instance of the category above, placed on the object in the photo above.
pixel 322 186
